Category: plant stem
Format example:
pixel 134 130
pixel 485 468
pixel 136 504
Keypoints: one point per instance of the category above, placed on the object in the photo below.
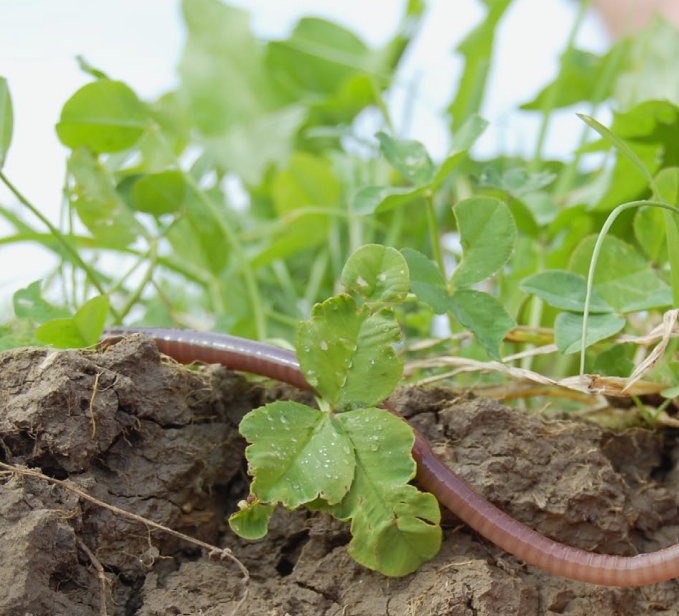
pixel 232 238
pixel 230 235
pixel 569 172
pixel 434 233
pixel 91 274
pixel 595 257
pixel 553 93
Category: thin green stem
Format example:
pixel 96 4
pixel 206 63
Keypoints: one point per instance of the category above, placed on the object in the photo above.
pixel 569 172
pixel 382 105
pixel 395 227
pixel 73 254
pixel 232 238
pixel 434 232
pixel 152 255
pixel 248 274
pixel 284 319
pixel 318 270
pixel 595 257
pixel 285 281
pixel 536 310
pixel 672 236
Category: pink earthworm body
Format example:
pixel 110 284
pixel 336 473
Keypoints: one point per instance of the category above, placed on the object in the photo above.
pixel 186 346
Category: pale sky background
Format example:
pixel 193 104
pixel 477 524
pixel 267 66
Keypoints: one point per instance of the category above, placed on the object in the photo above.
pixel 140 41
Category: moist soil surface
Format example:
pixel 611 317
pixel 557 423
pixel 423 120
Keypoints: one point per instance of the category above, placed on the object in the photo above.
pixel 142 434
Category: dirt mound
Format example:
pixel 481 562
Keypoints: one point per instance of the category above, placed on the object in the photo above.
pixel 160 441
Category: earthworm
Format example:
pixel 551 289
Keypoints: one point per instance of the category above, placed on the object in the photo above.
pixel 186 346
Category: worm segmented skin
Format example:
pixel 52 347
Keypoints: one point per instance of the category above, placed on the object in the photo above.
pixel 186 346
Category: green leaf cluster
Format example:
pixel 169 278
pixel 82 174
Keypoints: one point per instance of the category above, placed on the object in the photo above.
pixel 236 199
pixel 488 235
pixel 349 457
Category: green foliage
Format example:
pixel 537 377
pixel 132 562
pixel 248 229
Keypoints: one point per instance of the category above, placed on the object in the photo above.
pixel 488 236
pixel 568 330
pixel 622 278
pixel 349 458
pixel 477 49
pixel 564 290
pixel 377 273
pixel 83 329
pixel 6 120
pixel 412 161
pixel 105 116
pixel 244 197
pixel 160 193
pixel 298 454
pixel 29 304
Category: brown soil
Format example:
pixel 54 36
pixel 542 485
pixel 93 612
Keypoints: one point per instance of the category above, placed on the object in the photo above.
pixel 160 441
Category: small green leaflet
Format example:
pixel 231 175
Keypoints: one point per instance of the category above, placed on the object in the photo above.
pixel 409 158
pixel 251 521
pixel 568 330
pixel 345 353
pixel 378 273
pixel 485 316
pixel 394 527
pixel 83 330
pixel 29 304
pixel 412 160
pixel 488 236
pixel 101 209
pixel 426 281
pixel 564 290
pixel 649 222
pixel 160 193
pixel 463 139
pixel 6 120
pixel 105 116
pixel 623 277
pixel 376 199
pixel 297 454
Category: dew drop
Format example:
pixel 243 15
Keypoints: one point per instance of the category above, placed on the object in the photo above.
pixel 324 345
